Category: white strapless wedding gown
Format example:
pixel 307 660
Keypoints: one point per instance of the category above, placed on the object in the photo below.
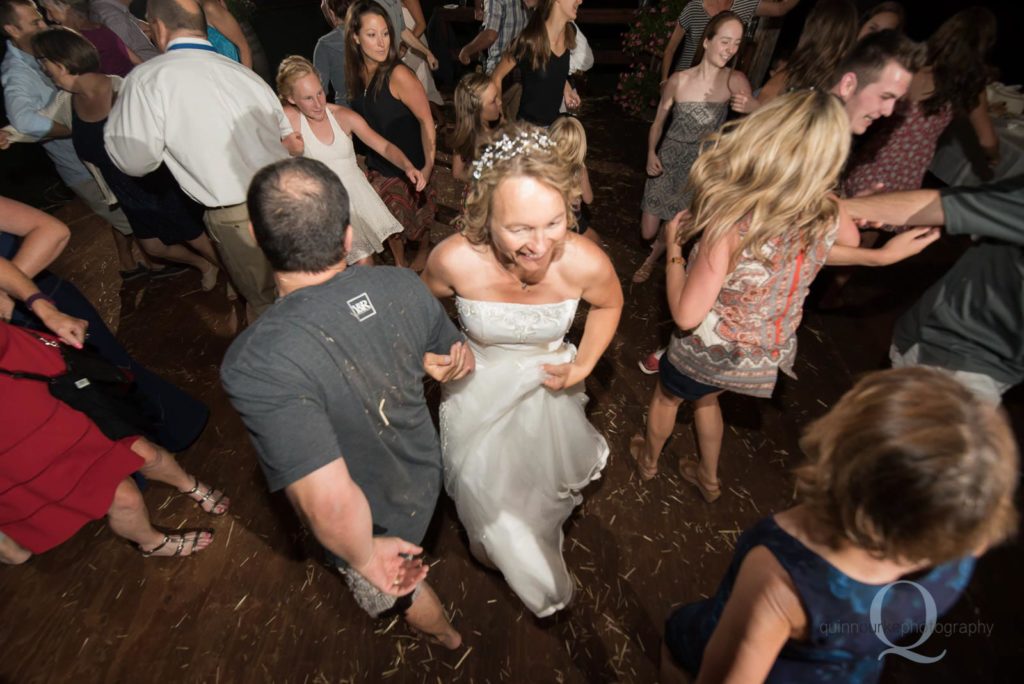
pixel 516 454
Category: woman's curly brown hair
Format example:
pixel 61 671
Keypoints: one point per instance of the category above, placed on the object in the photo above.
pixel 910 465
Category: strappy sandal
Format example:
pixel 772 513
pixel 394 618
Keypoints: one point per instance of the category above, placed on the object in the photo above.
pixel 643 274
pixel 689 471
pixel 205 497
pixel 636 448
pixel 182 541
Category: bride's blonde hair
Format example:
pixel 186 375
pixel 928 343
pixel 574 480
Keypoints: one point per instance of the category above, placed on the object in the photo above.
pixel 776 168
pixel 518 149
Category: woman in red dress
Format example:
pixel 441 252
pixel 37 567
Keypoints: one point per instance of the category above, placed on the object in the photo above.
pixel 58 471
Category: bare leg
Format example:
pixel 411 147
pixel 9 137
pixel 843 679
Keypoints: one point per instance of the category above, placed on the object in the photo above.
pixel 661 420
pixel 707 417
pixel 183 255
pixel 397 246
pixel 365 261
pixel 123 245
pixel 205 248
pixel 11 552
pixel 163 467
pixel 422 252
pixel 129 519
pixel 649 224
pixel 657 249
pixel 650 227
pixel 427 616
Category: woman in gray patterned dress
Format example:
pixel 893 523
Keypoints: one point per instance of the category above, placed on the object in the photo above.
pixel 698 99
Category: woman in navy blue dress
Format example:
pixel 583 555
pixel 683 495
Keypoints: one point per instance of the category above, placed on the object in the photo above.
pixel 910 478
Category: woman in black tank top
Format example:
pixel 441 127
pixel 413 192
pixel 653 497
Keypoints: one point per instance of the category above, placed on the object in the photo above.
pixel 541 52
pixel 392 100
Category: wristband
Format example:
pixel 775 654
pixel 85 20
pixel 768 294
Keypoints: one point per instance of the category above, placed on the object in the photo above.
pixel 32 299
pixel 677 260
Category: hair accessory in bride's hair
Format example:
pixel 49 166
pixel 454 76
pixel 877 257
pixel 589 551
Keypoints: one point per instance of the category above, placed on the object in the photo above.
pixel 508 147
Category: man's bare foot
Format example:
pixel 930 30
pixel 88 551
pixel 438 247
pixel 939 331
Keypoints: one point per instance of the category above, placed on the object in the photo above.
pixel 11 552
pixel 449 638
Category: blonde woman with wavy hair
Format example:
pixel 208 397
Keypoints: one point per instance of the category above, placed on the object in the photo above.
pixel 766 218
pixel 517 444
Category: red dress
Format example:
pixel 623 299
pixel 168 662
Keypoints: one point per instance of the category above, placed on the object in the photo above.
pixel 57 470
pixel 896 151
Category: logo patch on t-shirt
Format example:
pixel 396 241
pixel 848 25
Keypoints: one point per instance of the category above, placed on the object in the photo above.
pixel 361 307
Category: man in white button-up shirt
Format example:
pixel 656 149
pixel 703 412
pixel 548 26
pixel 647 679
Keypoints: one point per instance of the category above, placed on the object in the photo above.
pixel 214 122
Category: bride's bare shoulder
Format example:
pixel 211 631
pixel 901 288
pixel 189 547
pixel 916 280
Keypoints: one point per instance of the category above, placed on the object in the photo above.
pixel 456 246
pixel 584 260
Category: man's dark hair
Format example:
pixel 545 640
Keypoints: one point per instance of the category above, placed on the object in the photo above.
pixel 9 12
pixel 873 52
pixel 68 48
pixel 177 15
pixel 299 211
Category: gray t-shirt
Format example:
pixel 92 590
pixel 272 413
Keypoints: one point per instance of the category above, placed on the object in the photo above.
pixel 336 370
pixel 972 319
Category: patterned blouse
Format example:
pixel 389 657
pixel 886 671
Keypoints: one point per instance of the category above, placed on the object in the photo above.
pixel 750 332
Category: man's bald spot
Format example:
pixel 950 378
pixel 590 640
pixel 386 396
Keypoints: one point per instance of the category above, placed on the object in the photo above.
pixel 177 15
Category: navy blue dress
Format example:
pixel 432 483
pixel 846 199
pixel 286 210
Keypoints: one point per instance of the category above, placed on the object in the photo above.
pixel 844 645
pixel 155 205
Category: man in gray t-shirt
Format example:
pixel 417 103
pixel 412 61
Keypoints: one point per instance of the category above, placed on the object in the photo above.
pixel 971 321
pixel 329 382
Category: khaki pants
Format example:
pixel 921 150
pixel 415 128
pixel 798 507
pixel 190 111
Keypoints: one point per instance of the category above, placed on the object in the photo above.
pixel 245 263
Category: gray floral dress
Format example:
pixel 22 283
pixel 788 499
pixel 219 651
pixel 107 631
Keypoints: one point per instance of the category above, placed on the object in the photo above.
pixel 664 195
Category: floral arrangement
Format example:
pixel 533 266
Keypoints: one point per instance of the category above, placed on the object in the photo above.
pixel 639 86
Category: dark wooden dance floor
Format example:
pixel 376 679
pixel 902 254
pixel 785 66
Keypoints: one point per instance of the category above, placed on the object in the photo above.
pixel 259 606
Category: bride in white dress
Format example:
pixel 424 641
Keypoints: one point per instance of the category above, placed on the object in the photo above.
pixel 517 444
pixel 323 132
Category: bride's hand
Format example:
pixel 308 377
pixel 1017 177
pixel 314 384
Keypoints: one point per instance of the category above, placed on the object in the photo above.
pixel 562 375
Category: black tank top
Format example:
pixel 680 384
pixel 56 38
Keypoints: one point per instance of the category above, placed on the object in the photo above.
pixel 543 89
pixel 395 123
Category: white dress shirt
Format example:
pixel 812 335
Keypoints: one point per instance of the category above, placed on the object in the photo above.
pixel 213 121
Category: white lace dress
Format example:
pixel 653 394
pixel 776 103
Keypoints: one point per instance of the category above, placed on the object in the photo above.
pixel 516 454
pixel 372 222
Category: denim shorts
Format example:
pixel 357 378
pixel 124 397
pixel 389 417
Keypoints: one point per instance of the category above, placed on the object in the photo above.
pixel 679 385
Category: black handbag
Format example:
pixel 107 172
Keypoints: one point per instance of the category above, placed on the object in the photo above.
pixel 97 388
